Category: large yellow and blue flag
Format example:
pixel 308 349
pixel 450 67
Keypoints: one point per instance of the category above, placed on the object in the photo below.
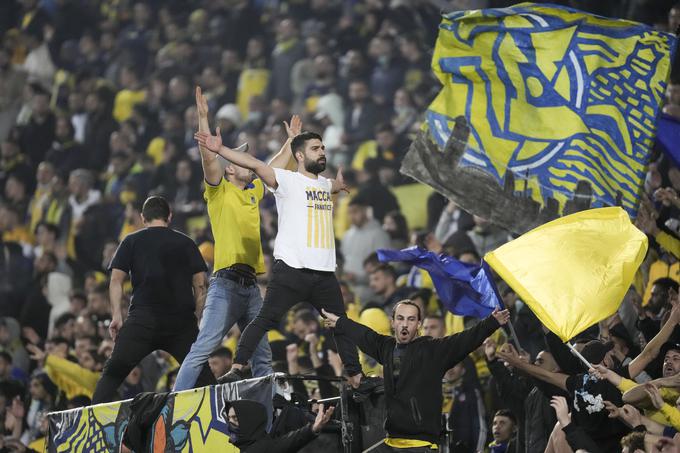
pixel 561 106
pixel 574 271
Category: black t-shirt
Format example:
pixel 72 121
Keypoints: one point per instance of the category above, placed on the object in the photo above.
pixel 161 263
pixel 589 395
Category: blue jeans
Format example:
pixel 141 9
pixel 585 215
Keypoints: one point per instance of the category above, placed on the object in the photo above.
pixel 227 303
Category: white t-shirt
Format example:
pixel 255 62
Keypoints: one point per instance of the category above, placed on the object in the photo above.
pixel 305 208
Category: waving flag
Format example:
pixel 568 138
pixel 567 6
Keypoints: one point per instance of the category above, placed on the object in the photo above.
pixel 464 289
pixel 573 272
pixel 544 111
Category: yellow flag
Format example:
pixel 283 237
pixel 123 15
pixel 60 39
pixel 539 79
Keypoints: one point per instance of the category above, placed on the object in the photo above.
pixel 574 271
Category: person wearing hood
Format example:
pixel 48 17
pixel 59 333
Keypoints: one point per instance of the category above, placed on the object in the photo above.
pixel 247 429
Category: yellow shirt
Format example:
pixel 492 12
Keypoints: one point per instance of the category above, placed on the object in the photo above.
pixel 125 101
pixel 235 222
pixel 664 416
pixel 409 443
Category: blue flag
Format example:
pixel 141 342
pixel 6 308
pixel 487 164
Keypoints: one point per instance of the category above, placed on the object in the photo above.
pixel 668 136
pixel 464 289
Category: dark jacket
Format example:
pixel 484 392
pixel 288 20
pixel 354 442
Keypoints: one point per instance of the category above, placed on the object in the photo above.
pixel 253 437
pixel 414 404
pixel 529 400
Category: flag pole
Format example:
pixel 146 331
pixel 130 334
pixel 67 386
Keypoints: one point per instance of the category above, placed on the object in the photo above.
pixel 513 334
pixel 578 354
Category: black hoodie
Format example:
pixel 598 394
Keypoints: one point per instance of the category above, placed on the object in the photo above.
pixel 414 402
pixel 253 437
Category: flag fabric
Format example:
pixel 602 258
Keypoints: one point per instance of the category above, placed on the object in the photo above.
pixel 561 108
pixel 668 136
pixel 574 271
pixel 464 289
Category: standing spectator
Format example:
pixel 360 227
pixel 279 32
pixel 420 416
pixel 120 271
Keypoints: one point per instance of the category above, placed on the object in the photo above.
pixel 82 192
pixel 363 238
pixel 361 116
pixel 37 135
pixel 11 87
pixel 66 154
pixel 99 127
pixel 413 369
pixel 388 70
pixel 288 50
pixel 164 266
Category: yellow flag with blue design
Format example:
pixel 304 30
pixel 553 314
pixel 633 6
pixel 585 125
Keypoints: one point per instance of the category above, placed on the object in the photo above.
pixel 574 271
pixel 561 108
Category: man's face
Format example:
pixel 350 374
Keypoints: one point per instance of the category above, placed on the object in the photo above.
pixel 357 214
pixel 658 298
pixel 242 174
pixel 671 363
pixel 219 365
pixel 379 282
pixel 97 303
pixel 83 345
pixel 385 140
pixel 433 327
pixel 545 360
pixel 301 329
pixel 405 323
pixel 314 155
pixel 502 428
pixel 358 92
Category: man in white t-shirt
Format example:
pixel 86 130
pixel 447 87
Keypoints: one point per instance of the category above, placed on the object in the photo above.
pixel 304 251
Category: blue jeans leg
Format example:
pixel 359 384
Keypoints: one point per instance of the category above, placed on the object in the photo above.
pixel 261 361
pixel 225 303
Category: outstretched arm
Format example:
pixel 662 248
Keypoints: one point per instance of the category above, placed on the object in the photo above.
pixel 213 143
pixel 366 339
pixel 556 379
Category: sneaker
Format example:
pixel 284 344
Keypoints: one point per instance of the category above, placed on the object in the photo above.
pixel 367 387
pixel 234 375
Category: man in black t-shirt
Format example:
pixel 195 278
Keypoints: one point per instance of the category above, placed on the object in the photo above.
pixel 168 287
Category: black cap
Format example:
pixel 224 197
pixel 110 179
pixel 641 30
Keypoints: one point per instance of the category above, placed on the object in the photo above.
pixel 668 346
pixel 595 350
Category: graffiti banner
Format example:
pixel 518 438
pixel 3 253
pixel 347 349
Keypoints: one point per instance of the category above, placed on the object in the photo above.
pixel 191 421
pixel 544 111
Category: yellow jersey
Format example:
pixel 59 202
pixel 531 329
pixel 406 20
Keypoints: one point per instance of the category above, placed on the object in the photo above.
pixel 235 222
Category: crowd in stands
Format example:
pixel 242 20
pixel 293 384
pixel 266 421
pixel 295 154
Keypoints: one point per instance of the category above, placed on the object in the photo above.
pixel 97 112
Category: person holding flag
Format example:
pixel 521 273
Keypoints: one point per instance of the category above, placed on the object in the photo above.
pixel 413 370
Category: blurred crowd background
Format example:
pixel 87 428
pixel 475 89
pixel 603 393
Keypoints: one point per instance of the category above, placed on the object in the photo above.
pixel 97 112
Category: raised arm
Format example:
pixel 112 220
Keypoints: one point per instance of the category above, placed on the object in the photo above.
pixel 652 348
pixel 284 158
pixel 213 143
pixel 212 170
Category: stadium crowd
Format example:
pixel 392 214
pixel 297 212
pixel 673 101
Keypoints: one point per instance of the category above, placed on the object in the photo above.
pixel 97 112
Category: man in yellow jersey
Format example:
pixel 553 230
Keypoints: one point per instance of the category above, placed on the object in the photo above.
pixel 233 197
pixel 413 370
pixel 304 250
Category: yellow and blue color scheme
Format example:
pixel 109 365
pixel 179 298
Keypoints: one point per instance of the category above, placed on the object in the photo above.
pixel 555 96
